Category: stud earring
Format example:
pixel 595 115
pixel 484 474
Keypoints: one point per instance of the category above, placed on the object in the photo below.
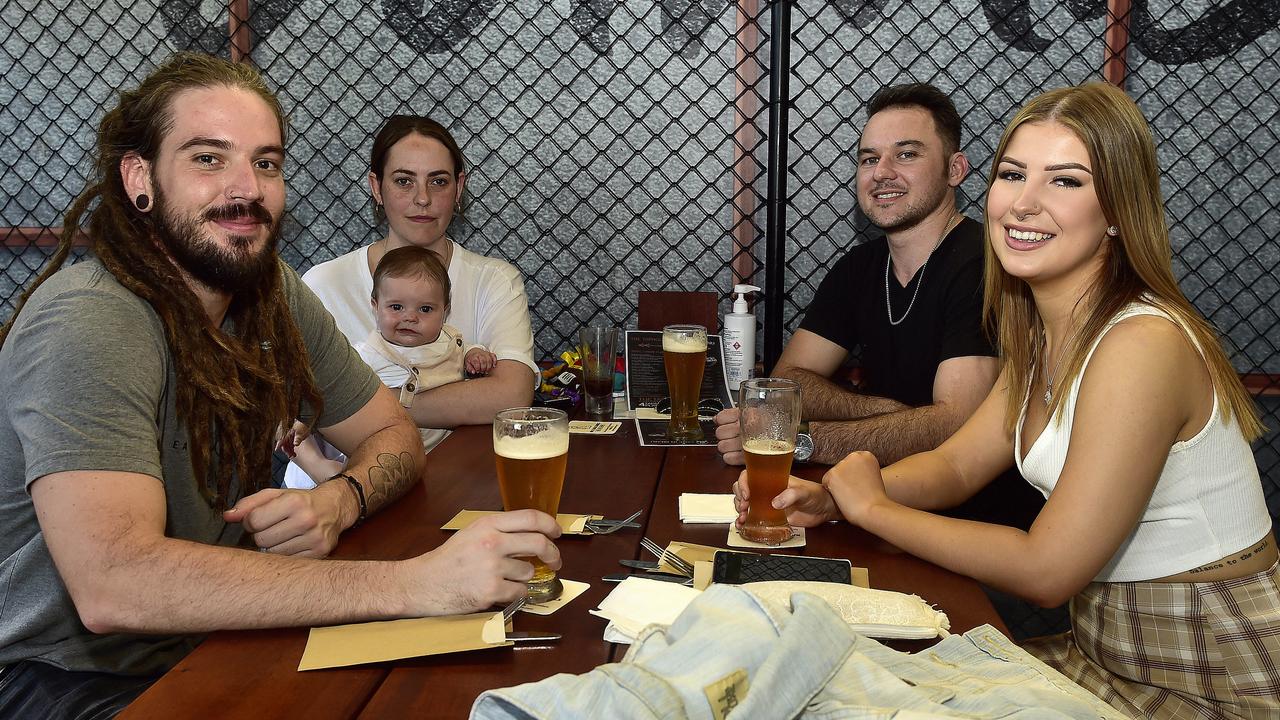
pixel 142 202
pixel 1113 230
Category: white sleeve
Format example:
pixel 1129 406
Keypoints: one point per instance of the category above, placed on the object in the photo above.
pixel 341 286
pixel 502 322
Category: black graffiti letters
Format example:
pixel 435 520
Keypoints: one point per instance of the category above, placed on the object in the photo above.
pixel 1219 32
pixel 438 27
pixel 1173 39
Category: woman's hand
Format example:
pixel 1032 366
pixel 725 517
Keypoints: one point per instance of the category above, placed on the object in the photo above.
pixel 856 485
pixel 806 503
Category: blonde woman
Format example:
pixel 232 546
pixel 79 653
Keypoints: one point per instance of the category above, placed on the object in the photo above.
pixel 1117 402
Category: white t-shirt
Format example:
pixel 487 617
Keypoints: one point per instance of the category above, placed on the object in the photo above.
pixel 487 303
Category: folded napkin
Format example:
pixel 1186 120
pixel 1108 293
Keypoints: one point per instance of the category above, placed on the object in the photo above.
pixel 638 603
pixel 874 613
pixel 705 508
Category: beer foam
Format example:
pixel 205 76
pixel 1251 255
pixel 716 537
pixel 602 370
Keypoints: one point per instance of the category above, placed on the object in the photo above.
pixel 765 446
pixel 546 444
pixel 684 343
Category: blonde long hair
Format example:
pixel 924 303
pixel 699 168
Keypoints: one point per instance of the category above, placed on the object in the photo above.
pixel 1137 261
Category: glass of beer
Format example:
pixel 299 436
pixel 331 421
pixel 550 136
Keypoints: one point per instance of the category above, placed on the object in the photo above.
pixel 684 354
pixel 532 447
pixel 769 413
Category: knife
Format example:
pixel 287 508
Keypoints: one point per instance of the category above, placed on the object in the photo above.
pixel 639 564
pixel 533 637
pixel 619 577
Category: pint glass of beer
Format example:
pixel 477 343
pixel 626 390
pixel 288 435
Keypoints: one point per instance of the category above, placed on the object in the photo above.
pixel 769 411
pixel 684 354
pixel 532 448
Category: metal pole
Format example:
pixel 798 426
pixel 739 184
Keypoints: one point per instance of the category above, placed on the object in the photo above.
pixel 776 203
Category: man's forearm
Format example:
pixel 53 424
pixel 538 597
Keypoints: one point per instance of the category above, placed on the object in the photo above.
pixel 386 464
pixel 824 400
pixel 475 401
pixel 889 436
pixel 210 588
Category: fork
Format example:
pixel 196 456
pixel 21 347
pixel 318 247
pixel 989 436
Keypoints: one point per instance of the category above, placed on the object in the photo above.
pixel 509 611
pixel 604 527
pixel 680 564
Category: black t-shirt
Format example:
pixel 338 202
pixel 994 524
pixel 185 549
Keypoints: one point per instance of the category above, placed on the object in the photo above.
pixel 900 361
pixel 945 321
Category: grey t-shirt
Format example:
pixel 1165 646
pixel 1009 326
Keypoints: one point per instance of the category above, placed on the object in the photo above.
pixel 89 385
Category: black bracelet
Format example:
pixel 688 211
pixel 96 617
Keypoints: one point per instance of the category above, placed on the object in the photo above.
pixel 355 485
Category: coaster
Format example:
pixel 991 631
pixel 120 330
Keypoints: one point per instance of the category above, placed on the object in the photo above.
pixel 569 524
pixel 736 540
pixel 572 589
pixel 593 427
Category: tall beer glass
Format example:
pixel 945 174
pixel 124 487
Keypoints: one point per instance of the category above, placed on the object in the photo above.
pixel 684 354
pixel 769 412
pixel 532 447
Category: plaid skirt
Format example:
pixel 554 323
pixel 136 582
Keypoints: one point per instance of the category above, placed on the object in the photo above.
pixel 1175 650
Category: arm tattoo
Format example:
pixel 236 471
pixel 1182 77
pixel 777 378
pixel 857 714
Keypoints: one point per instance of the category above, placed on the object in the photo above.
pixel 391 477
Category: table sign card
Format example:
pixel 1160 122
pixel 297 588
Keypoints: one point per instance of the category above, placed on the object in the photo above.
pixel 593 427
pixel 647 386
pixel 359 643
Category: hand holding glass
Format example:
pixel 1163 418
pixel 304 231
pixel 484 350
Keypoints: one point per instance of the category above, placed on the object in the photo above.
pixel 532 448
pixel 684 355
pixel 769 413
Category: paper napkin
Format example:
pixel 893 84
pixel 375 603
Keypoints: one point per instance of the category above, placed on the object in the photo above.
pixel 707 508
pixel 639 602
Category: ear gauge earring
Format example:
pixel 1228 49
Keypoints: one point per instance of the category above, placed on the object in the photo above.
pixel 1113 230
pixel 142 202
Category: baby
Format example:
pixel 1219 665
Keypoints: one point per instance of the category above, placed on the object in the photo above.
pixel 411 349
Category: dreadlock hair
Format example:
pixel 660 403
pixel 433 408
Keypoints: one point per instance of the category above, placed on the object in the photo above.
pixel 236 387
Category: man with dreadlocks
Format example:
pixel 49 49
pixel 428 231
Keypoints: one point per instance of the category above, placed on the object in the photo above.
pixel 144 388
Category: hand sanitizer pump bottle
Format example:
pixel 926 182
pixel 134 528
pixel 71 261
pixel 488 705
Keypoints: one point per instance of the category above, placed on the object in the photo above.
pixel 739 338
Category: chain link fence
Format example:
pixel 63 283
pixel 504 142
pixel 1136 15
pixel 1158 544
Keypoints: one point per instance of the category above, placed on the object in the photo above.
pixel 1207 76
pixel 619 145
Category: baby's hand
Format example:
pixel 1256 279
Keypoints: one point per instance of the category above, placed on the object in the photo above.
pixel 480 361
pixel 293 437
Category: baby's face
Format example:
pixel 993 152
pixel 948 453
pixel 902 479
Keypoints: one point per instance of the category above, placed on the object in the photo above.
pixel 409 311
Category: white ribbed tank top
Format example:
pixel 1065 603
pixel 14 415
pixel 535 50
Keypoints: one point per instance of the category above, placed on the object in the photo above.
pixel 1207 504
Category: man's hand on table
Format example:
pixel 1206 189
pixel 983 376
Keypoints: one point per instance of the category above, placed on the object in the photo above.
pixel 729 437
pixel 477 567
pixel 807 503
pixel 305 523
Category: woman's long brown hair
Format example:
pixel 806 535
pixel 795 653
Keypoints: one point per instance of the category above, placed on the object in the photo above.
pixel 234 390
pixel 1138 260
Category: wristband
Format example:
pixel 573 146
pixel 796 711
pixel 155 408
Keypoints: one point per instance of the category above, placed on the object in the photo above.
pixel 355 485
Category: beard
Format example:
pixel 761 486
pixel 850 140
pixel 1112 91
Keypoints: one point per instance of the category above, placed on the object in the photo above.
pixel 234 269
pixel 911 215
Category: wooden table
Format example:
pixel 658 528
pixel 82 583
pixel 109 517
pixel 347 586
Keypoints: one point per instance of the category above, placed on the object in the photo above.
pixel 253 674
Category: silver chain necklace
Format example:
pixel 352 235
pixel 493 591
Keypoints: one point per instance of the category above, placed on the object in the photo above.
pixel 1048 381
pixel 888 303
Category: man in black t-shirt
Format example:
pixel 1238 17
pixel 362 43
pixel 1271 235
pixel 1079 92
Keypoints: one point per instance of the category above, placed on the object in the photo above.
pixel 910 299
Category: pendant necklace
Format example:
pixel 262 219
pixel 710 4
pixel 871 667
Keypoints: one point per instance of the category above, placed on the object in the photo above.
pixel 888 303
pixel 1048 381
